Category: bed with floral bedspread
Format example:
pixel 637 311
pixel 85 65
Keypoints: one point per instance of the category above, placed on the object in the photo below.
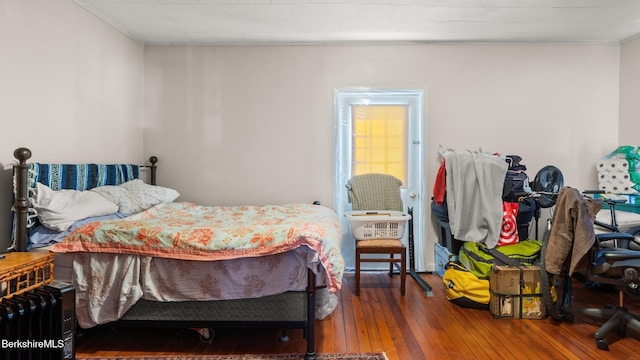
pixel 172 263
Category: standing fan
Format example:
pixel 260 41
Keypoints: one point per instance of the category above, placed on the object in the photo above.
pixel 548 179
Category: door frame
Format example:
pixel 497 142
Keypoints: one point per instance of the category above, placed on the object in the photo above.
pixel 344 98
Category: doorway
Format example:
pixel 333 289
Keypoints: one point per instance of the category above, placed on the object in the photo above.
pixel 381 130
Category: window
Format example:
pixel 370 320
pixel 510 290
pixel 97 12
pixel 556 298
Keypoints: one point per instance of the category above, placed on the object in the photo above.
pixel 379 137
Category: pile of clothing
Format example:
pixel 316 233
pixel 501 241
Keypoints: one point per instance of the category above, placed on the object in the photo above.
pixel 476 193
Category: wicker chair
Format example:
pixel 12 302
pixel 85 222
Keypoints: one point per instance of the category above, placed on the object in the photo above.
pixel 378 192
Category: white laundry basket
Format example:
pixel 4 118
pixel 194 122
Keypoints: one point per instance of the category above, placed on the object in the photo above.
pixel 377 224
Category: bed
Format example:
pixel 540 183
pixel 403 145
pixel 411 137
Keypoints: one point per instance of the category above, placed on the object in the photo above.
pixel 155 261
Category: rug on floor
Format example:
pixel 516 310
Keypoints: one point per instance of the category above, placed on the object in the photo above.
pixel 365 356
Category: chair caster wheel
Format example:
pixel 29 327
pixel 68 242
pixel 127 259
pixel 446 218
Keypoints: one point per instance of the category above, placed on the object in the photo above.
pixel 602 344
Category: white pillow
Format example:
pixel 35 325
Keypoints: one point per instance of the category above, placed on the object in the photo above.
pixel 135 195
pixel 58 210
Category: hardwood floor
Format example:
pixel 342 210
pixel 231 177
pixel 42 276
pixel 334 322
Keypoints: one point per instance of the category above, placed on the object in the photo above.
pixel 380 320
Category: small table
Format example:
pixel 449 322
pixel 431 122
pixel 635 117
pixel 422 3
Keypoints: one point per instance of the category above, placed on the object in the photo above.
pixel 24 271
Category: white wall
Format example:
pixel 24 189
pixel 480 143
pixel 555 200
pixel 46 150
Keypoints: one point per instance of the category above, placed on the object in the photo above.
pixel 254 124
pixel 629 89
pixel 70 89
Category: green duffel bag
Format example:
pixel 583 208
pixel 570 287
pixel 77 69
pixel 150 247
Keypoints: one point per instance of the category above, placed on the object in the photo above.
pixel 478 259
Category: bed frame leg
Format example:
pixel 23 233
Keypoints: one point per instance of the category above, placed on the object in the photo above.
pixel 311 315
pixel 21 205
pixel 284 337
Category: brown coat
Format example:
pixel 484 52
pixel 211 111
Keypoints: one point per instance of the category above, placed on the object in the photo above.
pixel 572 233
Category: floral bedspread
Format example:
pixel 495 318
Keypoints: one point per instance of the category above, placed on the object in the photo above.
pixel 188 231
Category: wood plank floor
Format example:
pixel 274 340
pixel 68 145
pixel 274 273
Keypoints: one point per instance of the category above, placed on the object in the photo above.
pixel 380 320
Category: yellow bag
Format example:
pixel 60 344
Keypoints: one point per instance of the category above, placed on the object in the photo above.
pixel 463 288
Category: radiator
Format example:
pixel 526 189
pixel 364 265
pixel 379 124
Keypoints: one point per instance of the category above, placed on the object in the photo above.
pixel 39 324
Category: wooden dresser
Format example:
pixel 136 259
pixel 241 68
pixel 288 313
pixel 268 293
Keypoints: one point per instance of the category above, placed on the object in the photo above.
pixel 24 271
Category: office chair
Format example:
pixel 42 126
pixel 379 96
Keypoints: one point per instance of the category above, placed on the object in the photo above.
pixel 376 192
pixel 572 246
pixel 617 267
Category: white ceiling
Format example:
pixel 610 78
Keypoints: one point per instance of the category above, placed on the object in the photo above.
pixel 370 21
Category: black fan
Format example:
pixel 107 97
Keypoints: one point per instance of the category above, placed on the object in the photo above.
pixel 548 179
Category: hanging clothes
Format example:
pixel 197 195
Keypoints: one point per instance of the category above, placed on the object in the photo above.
pixel 474 183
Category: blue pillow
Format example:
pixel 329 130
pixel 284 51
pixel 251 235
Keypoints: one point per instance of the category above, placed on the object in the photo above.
pixel 42 236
